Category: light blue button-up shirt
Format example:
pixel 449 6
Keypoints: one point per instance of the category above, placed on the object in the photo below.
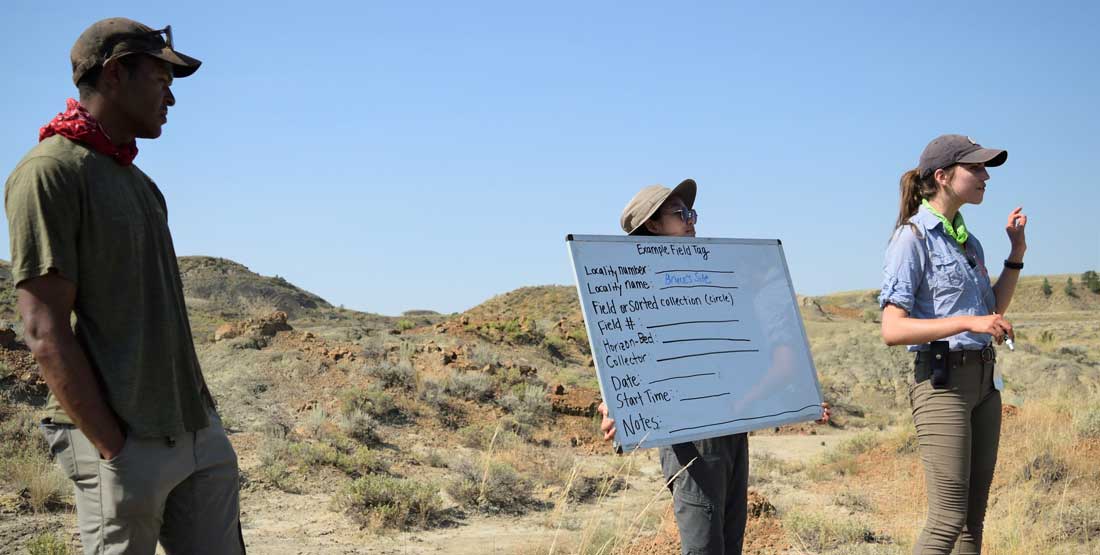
pixel 930 277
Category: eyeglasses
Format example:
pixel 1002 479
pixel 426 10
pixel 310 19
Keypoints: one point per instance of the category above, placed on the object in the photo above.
pixel 688 215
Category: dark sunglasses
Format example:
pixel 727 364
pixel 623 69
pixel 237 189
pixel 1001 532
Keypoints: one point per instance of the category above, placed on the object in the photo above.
pixel 166 31
pixel 688 215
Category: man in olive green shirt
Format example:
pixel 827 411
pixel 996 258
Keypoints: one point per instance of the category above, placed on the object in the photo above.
pixel 130 421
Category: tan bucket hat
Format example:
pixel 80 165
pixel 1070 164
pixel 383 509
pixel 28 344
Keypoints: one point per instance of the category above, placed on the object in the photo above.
pixel 648 200
pixel 117 37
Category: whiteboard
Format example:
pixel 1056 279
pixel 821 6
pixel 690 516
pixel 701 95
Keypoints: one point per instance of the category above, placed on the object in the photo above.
pixel 693 337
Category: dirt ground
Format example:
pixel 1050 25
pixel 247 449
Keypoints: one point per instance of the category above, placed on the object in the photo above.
pixel 278 523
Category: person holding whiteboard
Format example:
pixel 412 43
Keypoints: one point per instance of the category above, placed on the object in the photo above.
pixel 937 299
pixel 710 496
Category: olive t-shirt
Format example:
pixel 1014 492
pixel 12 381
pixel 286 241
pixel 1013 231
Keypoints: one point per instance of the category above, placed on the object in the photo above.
pixel 104 227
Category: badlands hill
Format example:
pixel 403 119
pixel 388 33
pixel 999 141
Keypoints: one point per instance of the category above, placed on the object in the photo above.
pixel 474 432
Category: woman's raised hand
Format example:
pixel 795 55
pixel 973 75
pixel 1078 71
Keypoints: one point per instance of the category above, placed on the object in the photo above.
pixel 1017 222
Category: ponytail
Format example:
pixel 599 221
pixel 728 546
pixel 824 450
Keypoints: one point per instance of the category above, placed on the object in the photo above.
pixel 910 196
pixel 914 190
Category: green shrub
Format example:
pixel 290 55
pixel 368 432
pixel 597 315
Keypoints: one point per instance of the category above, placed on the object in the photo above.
pixel 19 434
pixel 405 324
pixel 853 500
pixel 528 403
pixel 481 356
pixel 361 426
pixel 555 346
pixel 381 502
pixel 1047 289
pixel 903 439
pixel 767 467
pixel 589 488
pixel 528 408
pixel 391 376
pixel 471 386
pixel 375 402
pixel 841 460
pixel 315 421
pixel 497 488
pixel 48 544
pixel 342 454
pixel 1086 422
pixel 449 413
pixel 1091 280
pixel 434 458
pixel 1070 289
pixel 273 469
pixel 821 532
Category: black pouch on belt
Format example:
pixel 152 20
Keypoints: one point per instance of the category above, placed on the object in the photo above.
pixel 938 363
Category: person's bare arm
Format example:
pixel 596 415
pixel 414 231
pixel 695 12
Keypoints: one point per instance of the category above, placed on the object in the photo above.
pixel 899 329
pixel 1006 284
pixel 45 303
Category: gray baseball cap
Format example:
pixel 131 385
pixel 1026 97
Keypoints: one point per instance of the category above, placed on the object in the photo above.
pixel 117 37
pixel 948 150
pixel 648 200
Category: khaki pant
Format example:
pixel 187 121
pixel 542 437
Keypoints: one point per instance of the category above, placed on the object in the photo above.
pixel 710 498
pixel 181 490
pixel 958 431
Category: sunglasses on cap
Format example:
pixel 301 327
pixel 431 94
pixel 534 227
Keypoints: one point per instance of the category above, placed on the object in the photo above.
pixel 166 32
pixel 688 215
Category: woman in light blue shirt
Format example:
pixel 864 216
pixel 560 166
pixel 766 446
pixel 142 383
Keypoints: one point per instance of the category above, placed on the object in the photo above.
pixel 937 298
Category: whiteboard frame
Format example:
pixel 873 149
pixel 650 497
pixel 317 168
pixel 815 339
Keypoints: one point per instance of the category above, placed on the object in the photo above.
pixel 772 421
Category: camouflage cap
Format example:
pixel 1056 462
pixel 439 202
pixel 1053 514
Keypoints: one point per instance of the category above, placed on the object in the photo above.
pixel 117 37
pixel 947 150
pixel 648 200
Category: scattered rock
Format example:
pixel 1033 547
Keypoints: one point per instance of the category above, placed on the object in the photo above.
pixel 225 331
pixel 266 326
pixel 578 401
pixel 759 506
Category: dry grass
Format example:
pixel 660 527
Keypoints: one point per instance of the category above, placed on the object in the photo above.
pixel 821 531
pixel 40 481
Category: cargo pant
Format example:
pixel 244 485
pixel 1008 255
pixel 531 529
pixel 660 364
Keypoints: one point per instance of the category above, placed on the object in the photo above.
pixel 182 491
pixel 710 498
pixel 958 432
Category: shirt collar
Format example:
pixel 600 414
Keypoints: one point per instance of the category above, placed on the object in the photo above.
pixel 925 219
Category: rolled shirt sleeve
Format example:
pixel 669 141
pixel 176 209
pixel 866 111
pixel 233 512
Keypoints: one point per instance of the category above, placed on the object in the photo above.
pixel 903 270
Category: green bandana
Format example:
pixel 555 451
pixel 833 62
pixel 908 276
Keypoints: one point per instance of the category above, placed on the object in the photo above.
pixel 957 231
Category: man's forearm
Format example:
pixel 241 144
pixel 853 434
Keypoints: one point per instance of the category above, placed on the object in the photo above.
pixel 73 382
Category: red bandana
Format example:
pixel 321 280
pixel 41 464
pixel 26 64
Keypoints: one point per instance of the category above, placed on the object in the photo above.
pixel 78 124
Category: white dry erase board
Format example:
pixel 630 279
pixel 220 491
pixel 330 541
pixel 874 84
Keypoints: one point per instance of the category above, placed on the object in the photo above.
pixel 693 338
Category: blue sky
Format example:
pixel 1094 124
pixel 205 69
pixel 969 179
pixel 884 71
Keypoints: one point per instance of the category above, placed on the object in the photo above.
pixel 403 155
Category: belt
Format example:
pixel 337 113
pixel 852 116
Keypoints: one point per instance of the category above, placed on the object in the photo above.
pixel 954 358
pixel 922 369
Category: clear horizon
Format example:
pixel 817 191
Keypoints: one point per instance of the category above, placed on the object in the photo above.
pixel 391 157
